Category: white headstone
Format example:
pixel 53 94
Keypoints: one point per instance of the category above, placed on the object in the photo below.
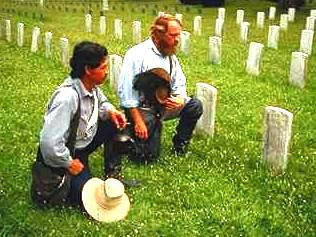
pixel 219 26
pixel 48 44
pixel 273 36
pixel 240 16
pixel 35 39
pixel 221 13
pixel 215 48
pixel 161 14
pixel 276 138
pixel 313 12
pixel 260 19
pixel 306 43
pixel 207 94
pixel 105 5
pixel 197 25
pixel 116 62
pixel 41 3
pixel 118 32
pixel 291 13
pixel 8 30
pixel 272 11
pixel 298 69
pixel 244 29
pixel 254 58
pixel 284 19
pixel 310 23
pixel 88 21
pixel 179 16
pixel 185 42
pixel 102 25
pixel 64 51
pixel 20 34
pixel 137 32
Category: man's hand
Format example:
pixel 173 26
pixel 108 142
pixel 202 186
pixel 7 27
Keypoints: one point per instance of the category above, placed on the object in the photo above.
pixel 118 118
pixel 75 167
pixel 141 130
pixel 140 127
pixel 174 102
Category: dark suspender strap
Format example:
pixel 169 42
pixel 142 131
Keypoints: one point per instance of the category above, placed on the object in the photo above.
pixel 170 61
pixel 74 123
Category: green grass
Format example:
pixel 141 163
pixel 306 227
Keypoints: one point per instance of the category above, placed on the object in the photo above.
pixel 221 188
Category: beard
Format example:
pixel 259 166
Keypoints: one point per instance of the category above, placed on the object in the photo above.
pixel 166 49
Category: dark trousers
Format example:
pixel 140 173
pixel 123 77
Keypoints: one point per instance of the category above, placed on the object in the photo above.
pixel 188 117
pixel 105 132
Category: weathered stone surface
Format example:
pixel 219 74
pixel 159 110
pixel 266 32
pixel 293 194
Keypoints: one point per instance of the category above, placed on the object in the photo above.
pixel 244 30
pixel 116 63
pixel 64 51
pixel 219 26
pixel 254 58
pixel 48 44
pixel 273 36
pixel 35 39
pixel 276 138
pixel 20 34
pixel 208 96
pixel 88 22
pixel 185 42
pixel 298 69
pixel 240 16
pixel 306 43
pixel 215 48
pixel 260 19
pixel 197 25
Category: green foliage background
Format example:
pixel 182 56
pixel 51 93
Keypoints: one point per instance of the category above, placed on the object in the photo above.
pixel 221 188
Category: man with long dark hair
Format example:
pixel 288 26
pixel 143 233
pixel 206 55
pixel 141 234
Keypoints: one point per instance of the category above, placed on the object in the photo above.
pixel 78 120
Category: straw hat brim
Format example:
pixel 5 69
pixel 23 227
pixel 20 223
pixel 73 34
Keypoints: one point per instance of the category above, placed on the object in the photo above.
pixel 98 212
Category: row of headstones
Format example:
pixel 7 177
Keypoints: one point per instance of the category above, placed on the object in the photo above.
pixel 277 128
pixel 298 68
pixel 277 121
pixel 64 43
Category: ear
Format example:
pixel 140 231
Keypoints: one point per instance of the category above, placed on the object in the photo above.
pixel 87 70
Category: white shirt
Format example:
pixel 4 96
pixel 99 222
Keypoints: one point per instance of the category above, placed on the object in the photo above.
pixel 143 57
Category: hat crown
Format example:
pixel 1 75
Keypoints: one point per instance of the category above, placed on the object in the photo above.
pixel 113 188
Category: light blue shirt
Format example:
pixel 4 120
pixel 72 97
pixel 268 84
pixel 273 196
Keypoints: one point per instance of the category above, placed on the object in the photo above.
pixel 143 57
pixel 61 110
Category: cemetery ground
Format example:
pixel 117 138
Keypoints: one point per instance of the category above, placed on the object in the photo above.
pixel 222 187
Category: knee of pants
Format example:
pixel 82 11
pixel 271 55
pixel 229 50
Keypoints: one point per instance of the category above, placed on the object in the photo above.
pixel 193 109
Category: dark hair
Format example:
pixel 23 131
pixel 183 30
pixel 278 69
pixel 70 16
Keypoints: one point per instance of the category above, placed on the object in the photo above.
pixel 88 54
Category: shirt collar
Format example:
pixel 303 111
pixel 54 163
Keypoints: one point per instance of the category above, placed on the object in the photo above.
pixel 153 47
pixel 81 89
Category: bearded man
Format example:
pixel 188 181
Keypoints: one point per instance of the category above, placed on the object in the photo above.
pixel 159 52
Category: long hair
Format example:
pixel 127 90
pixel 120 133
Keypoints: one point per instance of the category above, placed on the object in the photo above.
pixel 86 54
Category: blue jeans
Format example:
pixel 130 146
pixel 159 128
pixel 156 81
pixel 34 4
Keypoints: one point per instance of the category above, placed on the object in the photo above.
pixel 106 131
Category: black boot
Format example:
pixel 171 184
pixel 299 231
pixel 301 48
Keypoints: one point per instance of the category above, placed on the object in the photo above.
pixel 113 166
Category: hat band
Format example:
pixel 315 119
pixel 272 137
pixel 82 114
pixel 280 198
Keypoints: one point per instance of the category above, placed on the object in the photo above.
pixel 107 202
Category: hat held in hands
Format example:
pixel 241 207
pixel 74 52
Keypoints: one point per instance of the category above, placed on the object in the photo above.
pixel 105 200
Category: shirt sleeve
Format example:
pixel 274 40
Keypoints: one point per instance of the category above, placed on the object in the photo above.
pixel 128 96
pixel 178 83
pixel 104 104
pixel 55 132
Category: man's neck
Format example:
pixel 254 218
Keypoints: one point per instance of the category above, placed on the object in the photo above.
pixel 87 84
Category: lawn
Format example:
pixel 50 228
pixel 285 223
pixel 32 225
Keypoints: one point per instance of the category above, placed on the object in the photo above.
pixel 222 187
